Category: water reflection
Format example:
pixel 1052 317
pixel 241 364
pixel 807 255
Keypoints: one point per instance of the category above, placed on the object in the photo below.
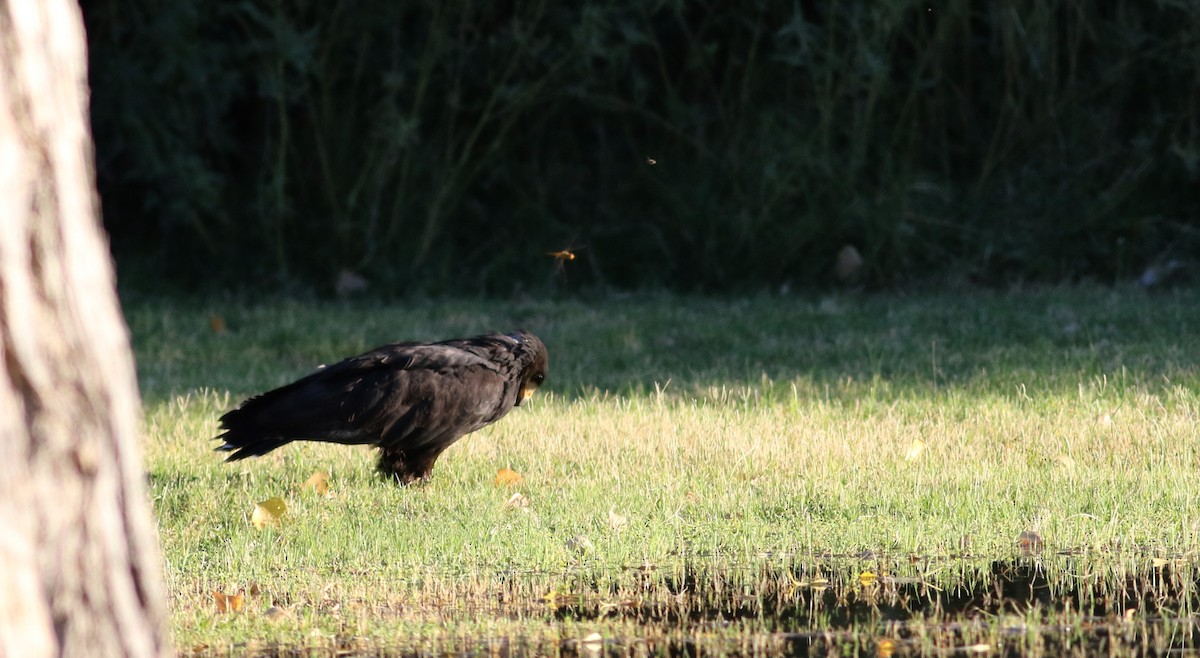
pixel 1071 603
pixel 1022 606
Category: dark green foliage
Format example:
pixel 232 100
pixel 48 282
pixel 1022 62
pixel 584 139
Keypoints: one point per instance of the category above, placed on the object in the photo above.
pixel 438 146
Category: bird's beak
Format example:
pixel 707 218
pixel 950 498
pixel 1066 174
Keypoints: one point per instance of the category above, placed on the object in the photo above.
pixel 526 393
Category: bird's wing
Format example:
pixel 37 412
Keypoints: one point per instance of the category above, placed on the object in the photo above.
pixel 387 391
pixel 437 405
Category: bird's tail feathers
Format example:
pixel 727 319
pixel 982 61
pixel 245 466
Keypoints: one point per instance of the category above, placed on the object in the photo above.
pixel 244 437
pixel 243 447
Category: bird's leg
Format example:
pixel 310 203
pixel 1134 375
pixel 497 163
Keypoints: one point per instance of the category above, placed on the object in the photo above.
pixel 406 468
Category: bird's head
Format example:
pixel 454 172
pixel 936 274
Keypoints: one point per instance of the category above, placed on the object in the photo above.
pixel 531 353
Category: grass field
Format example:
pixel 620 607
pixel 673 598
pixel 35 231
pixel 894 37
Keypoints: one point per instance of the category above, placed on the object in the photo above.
pixel 753 476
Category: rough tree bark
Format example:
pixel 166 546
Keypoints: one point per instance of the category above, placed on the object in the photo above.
pixel 79 567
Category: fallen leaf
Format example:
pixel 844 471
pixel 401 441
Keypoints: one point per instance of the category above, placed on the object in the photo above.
pixel 885 648
pixel 318 482
pixel 1030 542
pixel 848 263
pixel 506 477
pixel 616 521
pixel 229 602
pixel 275 614
pixel 581 544
pixel 867 578
pixel 914 450
pixel 593 643
pixel 268 512
pixel 217 323
pixel 349 283
pixel 517 501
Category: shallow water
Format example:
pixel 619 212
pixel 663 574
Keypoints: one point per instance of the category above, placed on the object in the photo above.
pixel 1022 606
pixel 1069 603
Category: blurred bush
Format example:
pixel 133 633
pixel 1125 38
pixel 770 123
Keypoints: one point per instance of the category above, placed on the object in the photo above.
pixel 436 146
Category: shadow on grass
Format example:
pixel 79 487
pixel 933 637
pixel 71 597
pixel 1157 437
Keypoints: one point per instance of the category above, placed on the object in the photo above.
pixel 836 347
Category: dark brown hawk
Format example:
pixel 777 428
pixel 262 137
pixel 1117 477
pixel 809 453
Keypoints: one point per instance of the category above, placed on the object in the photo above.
pixel 411 400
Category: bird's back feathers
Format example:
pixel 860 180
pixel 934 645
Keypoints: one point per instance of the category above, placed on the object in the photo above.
pixel 410 399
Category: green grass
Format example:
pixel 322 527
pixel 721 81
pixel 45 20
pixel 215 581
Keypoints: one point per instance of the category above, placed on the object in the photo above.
pixel 742 459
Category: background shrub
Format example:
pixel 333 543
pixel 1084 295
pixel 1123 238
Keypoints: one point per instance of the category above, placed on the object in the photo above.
pixel 439 146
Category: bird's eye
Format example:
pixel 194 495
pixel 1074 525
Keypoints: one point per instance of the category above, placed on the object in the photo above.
pixel 538 379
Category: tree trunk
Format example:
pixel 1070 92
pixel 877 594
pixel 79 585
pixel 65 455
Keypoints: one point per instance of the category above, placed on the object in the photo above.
pixel 79 566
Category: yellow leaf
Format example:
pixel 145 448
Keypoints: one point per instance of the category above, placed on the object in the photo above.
pixel 914 450
pixel 229 602
pixel 885 648
pixel 816 583
pixel 318 482
pixel 268 512
pixel 506 477
pixel 867 578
